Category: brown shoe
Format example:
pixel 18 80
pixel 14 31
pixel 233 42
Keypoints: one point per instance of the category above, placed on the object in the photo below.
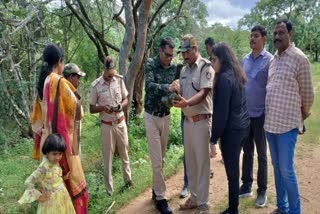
pixel 189 204
pixel 202 209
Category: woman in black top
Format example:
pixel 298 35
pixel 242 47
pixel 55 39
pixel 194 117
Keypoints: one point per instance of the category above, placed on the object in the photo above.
pixel 230 116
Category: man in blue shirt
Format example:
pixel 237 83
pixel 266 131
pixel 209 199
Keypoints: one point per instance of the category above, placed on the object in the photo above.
pixel 256 66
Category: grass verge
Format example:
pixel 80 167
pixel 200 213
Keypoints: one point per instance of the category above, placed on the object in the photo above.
pixel 16 165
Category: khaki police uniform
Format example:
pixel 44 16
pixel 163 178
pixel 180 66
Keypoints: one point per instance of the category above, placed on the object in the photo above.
pixel 113 126
pixel 197 128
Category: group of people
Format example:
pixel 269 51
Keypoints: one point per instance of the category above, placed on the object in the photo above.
pixel 239 104
pixel 243 105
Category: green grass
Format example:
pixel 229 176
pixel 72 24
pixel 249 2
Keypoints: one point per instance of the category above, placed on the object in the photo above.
pixel 312 123
pixel 16 165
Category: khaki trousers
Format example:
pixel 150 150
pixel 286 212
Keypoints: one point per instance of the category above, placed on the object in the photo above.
pixel 196 145
pixel 157 131
pixel 112 137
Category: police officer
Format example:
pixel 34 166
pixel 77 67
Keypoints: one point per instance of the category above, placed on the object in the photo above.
pixel 196 82
pixel 108 96
pixel 159 74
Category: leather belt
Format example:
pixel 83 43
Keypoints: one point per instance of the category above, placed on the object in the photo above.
pixel 113 122
pixel 198 117
pixel 158 114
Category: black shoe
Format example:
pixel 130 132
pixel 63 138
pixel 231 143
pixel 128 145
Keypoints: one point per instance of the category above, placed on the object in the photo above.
pixel 162 206
pixel 229 212
pixel 261 199
pixel 245 192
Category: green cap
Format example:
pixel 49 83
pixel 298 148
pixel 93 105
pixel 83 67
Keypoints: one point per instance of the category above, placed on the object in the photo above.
pixel 72 68
pixel 188 41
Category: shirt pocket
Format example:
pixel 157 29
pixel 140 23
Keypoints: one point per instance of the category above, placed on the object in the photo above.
pixel 262 76
pixel 116 94
pixel 104 97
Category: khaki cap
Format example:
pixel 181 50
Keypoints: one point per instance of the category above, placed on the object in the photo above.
pixel 72 68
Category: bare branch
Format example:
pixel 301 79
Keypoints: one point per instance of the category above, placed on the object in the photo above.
pixel 25 21
pixel 163 25
pixel 101 17
pixel 118 18
pixel 157 12
pixel 9 97
pixel 85 27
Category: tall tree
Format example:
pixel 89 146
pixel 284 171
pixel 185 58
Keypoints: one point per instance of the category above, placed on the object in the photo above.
pixel 303 14
pixel 144 20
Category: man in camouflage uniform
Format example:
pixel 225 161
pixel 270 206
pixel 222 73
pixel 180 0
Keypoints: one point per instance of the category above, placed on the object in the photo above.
pixel 196 82
pixel 159 74
pixel 108 96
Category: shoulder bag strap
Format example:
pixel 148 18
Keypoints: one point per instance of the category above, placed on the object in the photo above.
pixel 55 109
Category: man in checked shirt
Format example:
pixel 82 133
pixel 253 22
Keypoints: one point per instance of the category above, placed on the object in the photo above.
pixel 288 101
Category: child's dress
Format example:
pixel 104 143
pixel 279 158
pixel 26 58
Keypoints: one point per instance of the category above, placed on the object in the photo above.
pixel 49 177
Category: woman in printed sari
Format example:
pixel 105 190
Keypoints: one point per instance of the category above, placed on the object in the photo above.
pixel 67 110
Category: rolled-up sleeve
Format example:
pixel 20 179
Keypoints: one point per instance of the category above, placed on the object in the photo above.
pixel 305 85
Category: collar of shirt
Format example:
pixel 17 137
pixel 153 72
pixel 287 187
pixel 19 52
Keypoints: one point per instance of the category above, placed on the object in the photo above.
pixel 196 63
pixel 262 53
pixel 287 51
pixel 102 81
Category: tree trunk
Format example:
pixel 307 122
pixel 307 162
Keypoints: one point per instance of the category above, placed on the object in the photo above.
pixel 138 93
pixel 136 63
pixel 128 38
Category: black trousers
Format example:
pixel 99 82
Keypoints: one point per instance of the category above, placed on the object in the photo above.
pixel 231 143
pixel 257 137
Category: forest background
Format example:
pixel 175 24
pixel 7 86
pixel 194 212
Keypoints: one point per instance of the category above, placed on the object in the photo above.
pixel 129 31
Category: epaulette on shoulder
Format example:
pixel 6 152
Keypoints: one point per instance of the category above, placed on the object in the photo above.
pixel 206 61
pixel 95 82
pixel 119 76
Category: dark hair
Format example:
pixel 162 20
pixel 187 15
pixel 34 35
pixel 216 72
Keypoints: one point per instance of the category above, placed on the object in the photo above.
pixel 259 28
pixel 287 23
pixel 209 41
pixel 51 55
pixel 166 41
pixel 53 143
pixel 229 61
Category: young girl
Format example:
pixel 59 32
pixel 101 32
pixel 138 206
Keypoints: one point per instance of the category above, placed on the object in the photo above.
pixel 54 197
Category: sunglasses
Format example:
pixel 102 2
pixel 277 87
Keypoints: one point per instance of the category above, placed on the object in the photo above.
pixel 167 55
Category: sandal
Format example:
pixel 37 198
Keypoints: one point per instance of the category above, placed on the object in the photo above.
pixel 189 204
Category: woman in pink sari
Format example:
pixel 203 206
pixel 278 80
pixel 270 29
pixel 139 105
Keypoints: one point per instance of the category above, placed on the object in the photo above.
pixel 57 109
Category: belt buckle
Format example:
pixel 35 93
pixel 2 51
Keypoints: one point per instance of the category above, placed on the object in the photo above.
pixel 114 122
pixel 190 119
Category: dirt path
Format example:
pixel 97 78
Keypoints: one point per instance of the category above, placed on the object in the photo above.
pixel 307 166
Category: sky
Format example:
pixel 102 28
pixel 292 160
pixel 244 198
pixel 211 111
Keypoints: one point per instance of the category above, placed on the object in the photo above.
pixel 227 12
